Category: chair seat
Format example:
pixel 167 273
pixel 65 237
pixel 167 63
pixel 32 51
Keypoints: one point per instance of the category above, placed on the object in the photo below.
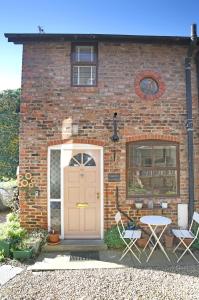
pixel 132 234
pixel 182 233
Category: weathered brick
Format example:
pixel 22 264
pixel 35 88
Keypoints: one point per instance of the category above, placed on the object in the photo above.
pixel 48 99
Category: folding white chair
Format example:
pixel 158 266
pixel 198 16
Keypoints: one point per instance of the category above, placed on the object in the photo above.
pixel 126 234
pixel 187 234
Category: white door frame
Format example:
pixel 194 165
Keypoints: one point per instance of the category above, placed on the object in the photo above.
pixel 71 146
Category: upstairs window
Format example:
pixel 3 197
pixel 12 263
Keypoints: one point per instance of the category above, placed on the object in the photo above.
pixel 152 169
pixel 84 65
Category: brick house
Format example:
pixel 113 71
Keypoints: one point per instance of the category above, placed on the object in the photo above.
pixel 101 114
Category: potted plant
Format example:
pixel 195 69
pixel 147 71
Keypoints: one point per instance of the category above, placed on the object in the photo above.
pixel 10 233
pixel 53 237
pixel 4 241
pixel 131 225
pixel 138 204
pixel 5 245
pixel 22 251
pixel 164 205
pixel 141 243
pixel 36 239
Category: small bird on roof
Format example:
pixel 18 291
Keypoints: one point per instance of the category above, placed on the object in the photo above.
pixel 41 30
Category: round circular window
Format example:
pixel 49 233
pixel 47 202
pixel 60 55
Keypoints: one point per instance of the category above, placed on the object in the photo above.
pixel 149 85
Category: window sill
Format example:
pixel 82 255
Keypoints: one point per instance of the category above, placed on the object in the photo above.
pixel 156 201
pixel 146 208
pixel 85 89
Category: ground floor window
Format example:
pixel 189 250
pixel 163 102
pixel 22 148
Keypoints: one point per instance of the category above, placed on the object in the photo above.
pixel 152 169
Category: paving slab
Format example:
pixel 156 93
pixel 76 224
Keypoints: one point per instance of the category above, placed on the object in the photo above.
pixel 8 272
pixel 109 259
pixel 62 262
pixel 75 265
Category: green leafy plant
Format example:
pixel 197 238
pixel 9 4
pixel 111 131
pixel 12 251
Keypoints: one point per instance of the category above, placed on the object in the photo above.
pixel 2 257
pixel 13 230
pixel 9 133
pixel 112 238
pixel 3 234
pixel 39 234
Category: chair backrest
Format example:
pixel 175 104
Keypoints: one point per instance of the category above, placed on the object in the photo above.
pixel 118 217
pixel 118 220
pixel 196 217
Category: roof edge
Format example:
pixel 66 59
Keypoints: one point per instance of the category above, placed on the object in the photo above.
pixel 22 38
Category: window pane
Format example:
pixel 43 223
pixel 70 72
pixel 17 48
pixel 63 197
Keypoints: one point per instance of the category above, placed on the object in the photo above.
pixel 152 169
pixel 165 156
pixel 84 53
pixel 141 156
pixel 164 182
pixel 137 185
pixel 84 75
pixel 88 161
pixel 75 76
pixel 152 182
pixel 55 174
pixel 55 216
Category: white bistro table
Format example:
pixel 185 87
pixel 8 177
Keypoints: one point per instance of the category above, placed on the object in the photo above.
pixel 153 223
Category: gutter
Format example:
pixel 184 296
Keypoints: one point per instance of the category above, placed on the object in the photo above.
pixel 189 121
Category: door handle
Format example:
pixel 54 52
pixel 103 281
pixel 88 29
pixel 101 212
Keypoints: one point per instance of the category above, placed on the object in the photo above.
pixel 98 195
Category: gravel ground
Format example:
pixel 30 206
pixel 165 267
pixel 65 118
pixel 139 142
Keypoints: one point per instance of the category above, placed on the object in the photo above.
pixel 129 283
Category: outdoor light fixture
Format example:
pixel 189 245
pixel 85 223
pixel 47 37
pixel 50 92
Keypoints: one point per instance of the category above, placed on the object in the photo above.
pixel 37 192
pixel 115 137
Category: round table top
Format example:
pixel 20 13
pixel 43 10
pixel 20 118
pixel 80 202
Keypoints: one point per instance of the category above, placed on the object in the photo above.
pixel 155 220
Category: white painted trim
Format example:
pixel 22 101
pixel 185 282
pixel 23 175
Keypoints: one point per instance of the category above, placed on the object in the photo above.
pixel 63 147
pixel 48 187
pixel 75 146
pixel 102 191
pixel 62 195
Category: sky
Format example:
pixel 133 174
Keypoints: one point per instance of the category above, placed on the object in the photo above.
pixel 159 17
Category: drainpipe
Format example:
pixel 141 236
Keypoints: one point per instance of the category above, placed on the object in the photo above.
pixel 189 122
pixel 197 72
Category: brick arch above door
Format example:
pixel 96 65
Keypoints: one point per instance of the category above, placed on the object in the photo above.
pixel 77 141
pixel 150 136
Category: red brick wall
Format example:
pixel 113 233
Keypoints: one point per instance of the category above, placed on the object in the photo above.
pixel 48 99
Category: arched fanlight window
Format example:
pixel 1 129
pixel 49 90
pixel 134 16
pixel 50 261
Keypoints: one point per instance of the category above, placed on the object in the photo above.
pixel 82 159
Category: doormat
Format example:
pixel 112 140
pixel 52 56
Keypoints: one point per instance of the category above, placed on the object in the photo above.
pixel 84 255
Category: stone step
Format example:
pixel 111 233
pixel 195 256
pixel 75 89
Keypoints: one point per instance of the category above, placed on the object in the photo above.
pixel 76 245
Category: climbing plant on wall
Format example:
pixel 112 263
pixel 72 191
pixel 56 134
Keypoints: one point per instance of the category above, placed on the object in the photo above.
pixel 9 132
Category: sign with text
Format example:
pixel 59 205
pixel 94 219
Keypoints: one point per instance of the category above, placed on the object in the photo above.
pixel 114 177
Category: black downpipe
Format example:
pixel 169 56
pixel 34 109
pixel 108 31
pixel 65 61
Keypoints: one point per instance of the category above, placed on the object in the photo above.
pixel 197 71
pixel 189 122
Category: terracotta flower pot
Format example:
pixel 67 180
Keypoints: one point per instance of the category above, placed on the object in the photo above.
pixel 141 243
pixel 188 241
pixel 53 237
pixel 168 240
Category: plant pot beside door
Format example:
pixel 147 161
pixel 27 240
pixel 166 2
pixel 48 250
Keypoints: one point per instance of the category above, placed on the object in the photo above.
pixel 53 237
pixel 22 254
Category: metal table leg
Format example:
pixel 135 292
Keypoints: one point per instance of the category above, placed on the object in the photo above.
pixel 157 238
